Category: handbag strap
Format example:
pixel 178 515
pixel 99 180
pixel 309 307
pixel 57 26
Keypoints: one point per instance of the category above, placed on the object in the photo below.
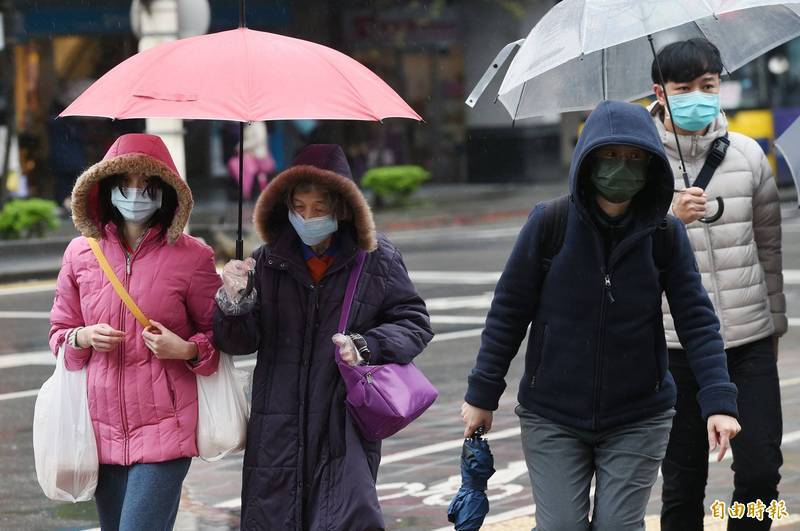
pixel 349 295
pixel 118 287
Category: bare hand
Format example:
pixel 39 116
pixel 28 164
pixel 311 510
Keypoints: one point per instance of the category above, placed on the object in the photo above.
pixel 721 429
pixel 689 205
pixel 234 276
pixel 100 337
pixel 166 345
pixel 474 418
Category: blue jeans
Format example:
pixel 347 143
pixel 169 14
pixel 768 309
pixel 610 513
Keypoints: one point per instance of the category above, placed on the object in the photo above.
pixel 141 496
pixel 562 460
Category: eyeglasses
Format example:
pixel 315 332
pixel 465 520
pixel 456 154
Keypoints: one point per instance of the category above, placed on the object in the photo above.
pixel 616 155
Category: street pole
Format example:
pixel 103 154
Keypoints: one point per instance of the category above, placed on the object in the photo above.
pixel 159 24
pixel 7 51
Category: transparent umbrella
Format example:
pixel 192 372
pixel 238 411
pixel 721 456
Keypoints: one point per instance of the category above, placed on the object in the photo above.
pixel 789 145
pixel 585 51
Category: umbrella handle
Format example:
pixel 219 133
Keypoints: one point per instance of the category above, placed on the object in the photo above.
pixel 478 433
pixel 251 280
pixel 720 210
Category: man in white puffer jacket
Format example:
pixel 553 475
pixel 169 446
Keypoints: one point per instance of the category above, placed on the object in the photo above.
pixel 739 257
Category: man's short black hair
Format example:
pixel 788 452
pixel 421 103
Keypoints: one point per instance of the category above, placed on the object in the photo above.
pixel 684 61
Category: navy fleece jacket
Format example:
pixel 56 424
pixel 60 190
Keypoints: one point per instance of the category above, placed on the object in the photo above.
pixel 596 355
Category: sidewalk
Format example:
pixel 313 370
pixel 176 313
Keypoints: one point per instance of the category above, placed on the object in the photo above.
pixel 215 222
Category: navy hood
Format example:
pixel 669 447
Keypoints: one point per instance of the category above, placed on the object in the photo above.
pixel 616 122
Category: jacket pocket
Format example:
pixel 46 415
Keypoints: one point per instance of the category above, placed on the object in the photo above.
pixel 535 355
pixel 171 390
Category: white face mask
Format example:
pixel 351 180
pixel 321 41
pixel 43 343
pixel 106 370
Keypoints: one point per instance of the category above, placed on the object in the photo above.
pixel 135 206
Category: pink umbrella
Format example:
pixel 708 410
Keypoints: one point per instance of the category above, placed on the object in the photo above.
pixel 241 75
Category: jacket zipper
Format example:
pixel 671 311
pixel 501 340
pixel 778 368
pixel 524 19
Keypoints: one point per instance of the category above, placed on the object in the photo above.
pixel 598 366
pixel 126 282
pixel 123 411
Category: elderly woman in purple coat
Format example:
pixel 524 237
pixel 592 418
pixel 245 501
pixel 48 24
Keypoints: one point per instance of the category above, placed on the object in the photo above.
pixel 306 467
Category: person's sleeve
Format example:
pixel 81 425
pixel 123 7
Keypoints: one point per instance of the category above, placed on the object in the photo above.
pixel 240 333
pixel 405 327
pixel 698 328
pixel 201 305
pixel 767 234
pixel 515 299
pixel 65 315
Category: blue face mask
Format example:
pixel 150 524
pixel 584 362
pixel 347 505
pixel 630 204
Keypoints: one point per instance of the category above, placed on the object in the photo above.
pixel 313 231
pixel 695 110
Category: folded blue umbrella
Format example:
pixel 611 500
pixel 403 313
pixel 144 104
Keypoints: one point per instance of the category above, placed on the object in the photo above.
pixel 469 506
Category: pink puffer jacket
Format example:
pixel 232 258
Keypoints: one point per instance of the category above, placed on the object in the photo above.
pixel 144 409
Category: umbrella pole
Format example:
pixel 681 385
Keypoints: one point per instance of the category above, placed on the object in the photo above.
pixel 239 241
pixel 685 175
pixel 242 16
pixel 669 111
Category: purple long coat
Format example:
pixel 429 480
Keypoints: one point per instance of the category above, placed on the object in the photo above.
pixel 305 466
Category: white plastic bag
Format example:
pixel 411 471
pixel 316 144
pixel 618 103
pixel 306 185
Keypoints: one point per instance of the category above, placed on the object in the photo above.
pixel 222 410
pixel 64 447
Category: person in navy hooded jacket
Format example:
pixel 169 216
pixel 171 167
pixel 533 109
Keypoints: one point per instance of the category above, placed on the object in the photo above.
pixel 596 398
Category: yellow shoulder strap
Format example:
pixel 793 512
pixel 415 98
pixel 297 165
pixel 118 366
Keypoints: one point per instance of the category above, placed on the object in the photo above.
pixel 118 287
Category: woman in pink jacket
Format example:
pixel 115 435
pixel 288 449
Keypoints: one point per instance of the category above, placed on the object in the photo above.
pixel 142 383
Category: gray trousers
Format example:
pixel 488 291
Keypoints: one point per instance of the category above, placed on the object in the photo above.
pixel 562 460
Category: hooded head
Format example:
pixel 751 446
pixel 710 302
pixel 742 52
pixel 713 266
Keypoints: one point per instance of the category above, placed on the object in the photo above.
pixel 324 166
pixel 132 154
pixel 615 122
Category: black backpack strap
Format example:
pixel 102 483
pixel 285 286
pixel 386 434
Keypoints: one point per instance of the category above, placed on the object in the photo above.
pixel 715 157
pixel 554 226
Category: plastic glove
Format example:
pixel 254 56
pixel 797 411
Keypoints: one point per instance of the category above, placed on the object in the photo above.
pixel 234 277
pixel 347 349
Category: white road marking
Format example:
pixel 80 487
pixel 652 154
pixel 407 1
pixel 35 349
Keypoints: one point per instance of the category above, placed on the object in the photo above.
pixel 455 277
pixel 530 510
pixel 444 446
pixel 42 357
pixel 475 302
pixel 449 336
pixel 465 278
pixel 461 334
pixel 458 232
pixel 458 319
pixel 25 315
pixel 19 394
pixel 24 290
pixel 409 454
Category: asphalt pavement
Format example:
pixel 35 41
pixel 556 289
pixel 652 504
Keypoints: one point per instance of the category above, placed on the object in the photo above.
pixel 455 268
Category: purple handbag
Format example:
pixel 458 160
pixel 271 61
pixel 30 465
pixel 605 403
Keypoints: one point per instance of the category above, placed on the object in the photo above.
pixel 382 399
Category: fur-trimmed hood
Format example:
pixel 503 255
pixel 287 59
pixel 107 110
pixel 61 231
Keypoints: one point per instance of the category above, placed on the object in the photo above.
pixel 132 153
pixel 324 164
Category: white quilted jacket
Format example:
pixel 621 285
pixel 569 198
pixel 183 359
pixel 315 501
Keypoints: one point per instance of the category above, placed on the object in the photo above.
pixel 739 256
